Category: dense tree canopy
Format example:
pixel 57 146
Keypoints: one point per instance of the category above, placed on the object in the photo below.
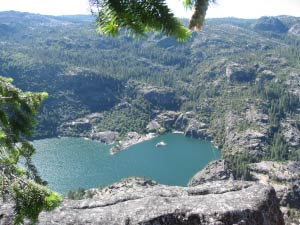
pixel 139 16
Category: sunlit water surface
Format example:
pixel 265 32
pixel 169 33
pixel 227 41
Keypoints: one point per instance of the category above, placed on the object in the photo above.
pixel 70 163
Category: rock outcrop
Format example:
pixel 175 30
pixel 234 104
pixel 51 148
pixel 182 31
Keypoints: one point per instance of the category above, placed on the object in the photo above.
pixel 197 129
pixel 284 177
pixel 214 171
pixel 130 139
pixel 137 201
pixel 162 97
pixel 246 132
pixel 146 203
pixel 186 122
pixel 81 127
pixel 295 30
pixel 291 133
pixel 239 73
pixel 106 137
pixel 272 24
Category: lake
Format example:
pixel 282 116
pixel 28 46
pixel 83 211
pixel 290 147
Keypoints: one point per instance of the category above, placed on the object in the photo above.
pixel 70 163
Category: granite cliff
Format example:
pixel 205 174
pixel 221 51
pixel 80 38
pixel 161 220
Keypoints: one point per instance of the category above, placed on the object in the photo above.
pixel 136 201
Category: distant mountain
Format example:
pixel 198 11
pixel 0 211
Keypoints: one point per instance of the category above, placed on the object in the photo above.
pixel 239 79
pixel 236 83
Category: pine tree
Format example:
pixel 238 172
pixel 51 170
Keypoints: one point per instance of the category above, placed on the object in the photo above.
pixel 140 16
pixel 19 179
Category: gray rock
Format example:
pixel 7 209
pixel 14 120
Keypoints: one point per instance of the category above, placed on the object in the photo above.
pixel 265 75
pixel 214 171
pixel 270 24
pixel 239 73
pixel 221 202
pixel 252 137
pixel 6 213
pixel 165 120
pixel 283 176
pixel 131 138
pixel 80 127
pixel 106 137
pixel 291 133
pixel 154 126
pixel 162 97
pixel 295 30
pixel 197 129
pixel 183 120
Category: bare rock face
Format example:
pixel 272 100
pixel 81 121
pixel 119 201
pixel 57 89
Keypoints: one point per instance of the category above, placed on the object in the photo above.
pixel 106 137
pixel 162 97
pixel 138 202
pixel 283 176
pixel 197 129
pixel 270 24
pixel 214 171
pixel 295 30
pixel 6 213
pixel 239 73
pixel 244 138
pixel 164 121
pixel 291 133
pixel 131 138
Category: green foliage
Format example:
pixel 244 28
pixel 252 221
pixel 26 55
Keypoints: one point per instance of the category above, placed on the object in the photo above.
pixel 280 104
pixel 238 164
pixel 133 117
pixel 76 195
pixel 31 199
pixel 137 17
pixel 23 185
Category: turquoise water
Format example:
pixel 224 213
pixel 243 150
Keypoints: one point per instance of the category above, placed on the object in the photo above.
pixel 70 163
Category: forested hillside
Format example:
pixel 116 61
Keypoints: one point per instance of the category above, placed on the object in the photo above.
pixel 236 82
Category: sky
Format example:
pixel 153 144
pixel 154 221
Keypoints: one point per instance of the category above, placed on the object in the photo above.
pixel 223 8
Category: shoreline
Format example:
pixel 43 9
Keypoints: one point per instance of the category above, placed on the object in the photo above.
pixel 131 139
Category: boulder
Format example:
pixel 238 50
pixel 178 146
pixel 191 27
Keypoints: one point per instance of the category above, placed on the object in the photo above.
pixel 214 171
pixel 147 203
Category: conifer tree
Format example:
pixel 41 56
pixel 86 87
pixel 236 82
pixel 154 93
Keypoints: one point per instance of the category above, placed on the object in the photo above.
pixel 19 179
pixel 140 16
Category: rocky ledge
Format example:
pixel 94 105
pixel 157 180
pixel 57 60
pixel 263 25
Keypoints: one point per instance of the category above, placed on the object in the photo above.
pixel 215 170
pixel 137 201
pixel 283 176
